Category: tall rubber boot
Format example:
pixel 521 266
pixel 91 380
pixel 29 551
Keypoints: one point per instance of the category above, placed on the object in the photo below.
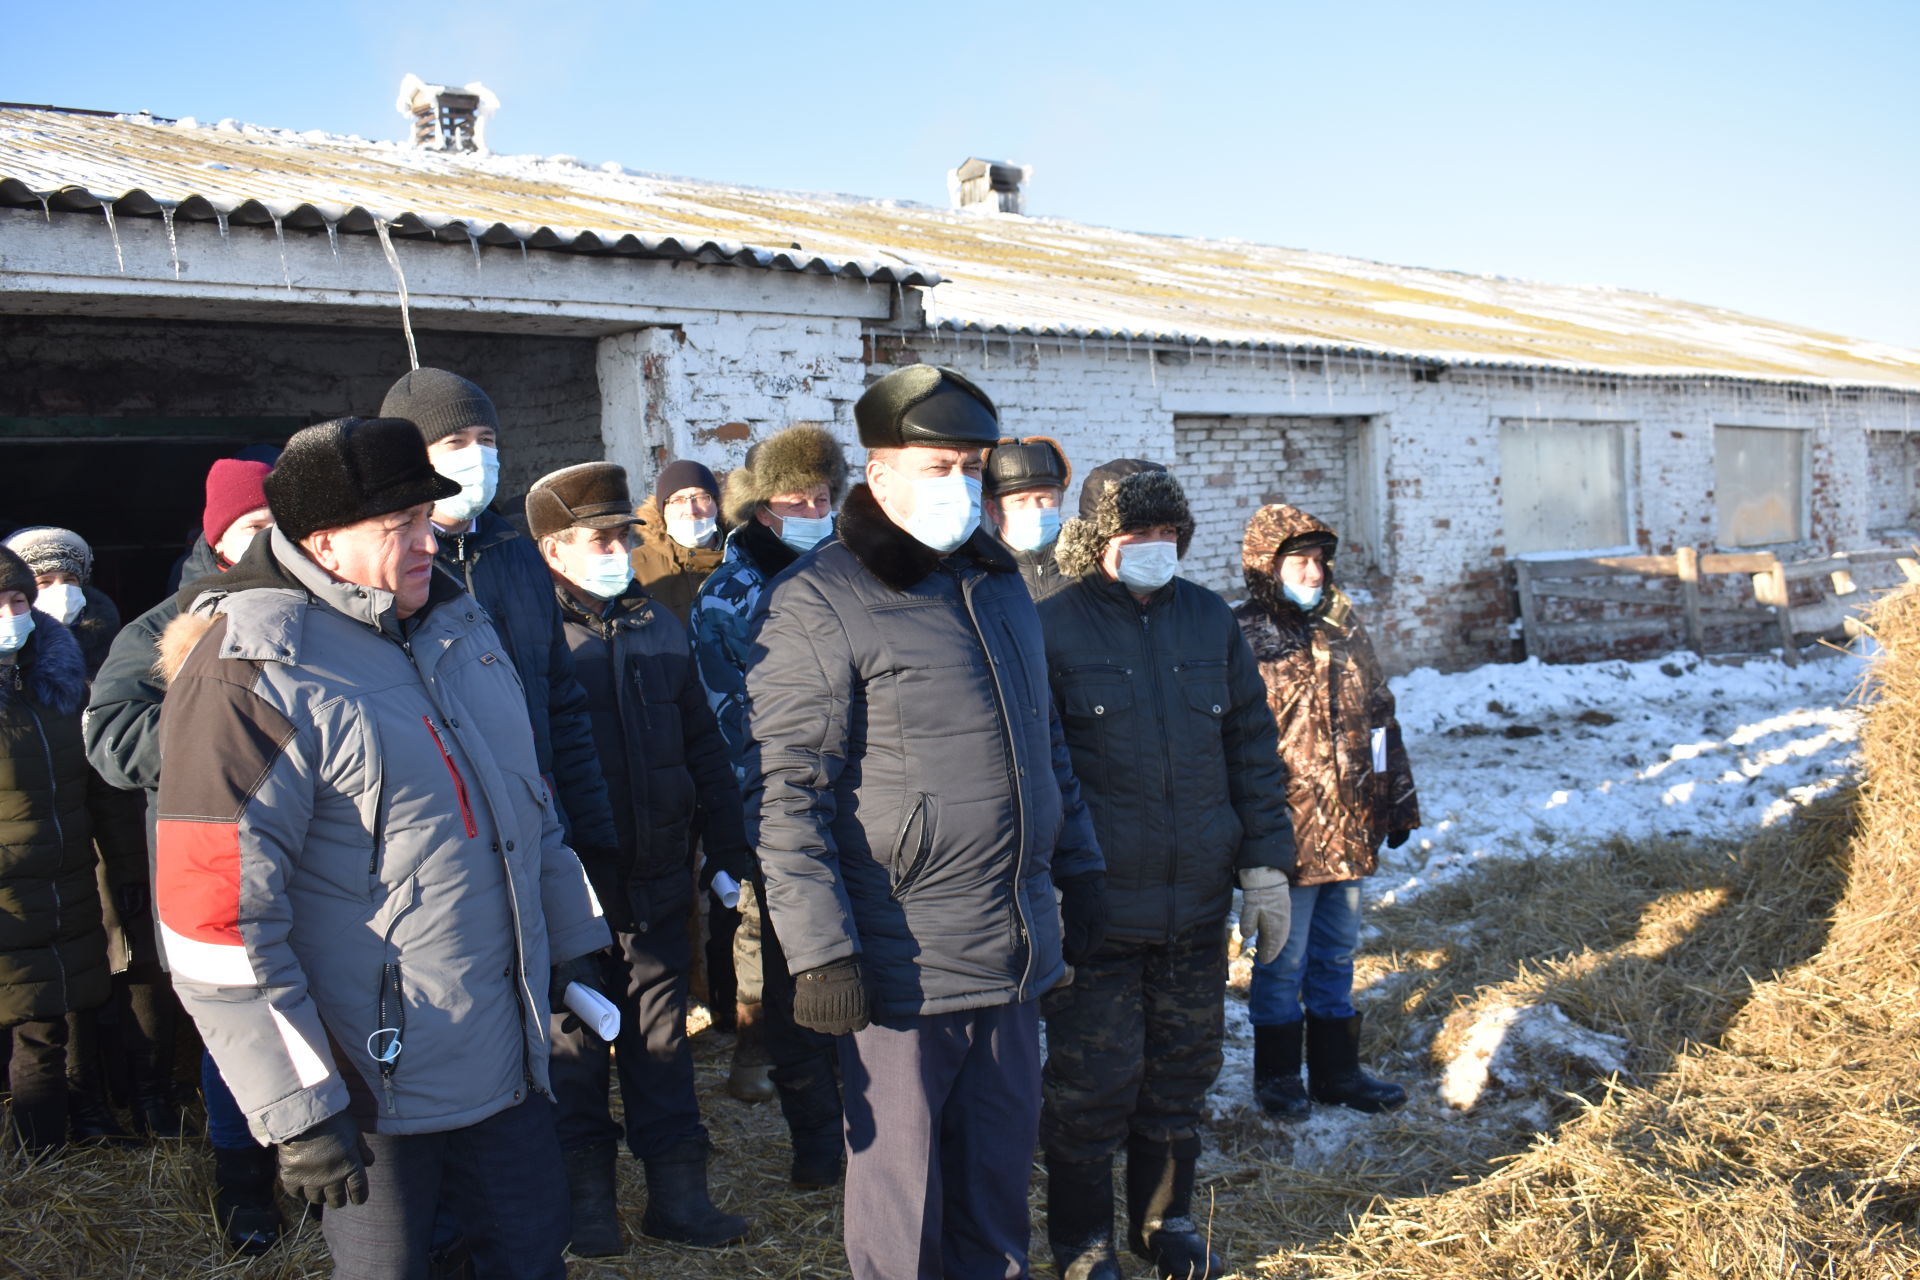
pixel 243 1198
pixel 678 1209
pixel 1160 1225
pixel 1080 1219
pixel 1333 1068
pixel 1277 1086
pixel 593 1213
pixel 90 1116
pixel 751 1077
pixel 810 1100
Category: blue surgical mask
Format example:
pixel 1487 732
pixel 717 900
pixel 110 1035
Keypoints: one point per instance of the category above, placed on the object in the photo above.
pixel 14 630
pixel 804 533
pixel 1148 566
pixel 607 576
pixel 476 469
pixel 946 510
pixel 1031 528
pixel 691 533
pixel 1301 596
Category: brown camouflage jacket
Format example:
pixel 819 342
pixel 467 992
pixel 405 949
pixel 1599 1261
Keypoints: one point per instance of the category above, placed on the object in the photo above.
pixel 1329 697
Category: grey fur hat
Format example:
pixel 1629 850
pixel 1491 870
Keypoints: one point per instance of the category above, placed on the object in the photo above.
pixel 48 549
pixel 797 458
pixel 1121 496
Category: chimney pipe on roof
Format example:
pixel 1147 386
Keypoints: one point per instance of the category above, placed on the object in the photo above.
pixel 988 184
pixel 446 119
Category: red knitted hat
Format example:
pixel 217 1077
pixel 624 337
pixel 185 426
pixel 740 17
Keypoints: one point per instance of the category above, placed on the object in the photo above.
pixel 234 487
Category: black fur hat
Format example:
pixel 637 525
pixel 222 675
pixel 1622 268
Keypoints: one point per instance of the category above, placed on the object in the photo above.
pixel 16 576
pixel 1121 496
pixel 926 404
pixel 348 470
pixel 593 494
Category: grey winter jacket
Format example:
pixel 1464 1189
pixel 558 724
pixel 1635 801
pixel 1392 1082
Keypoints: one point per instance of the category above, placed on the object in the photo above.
pixel 357 855
pixel 909 792
pixel 1175 748
pixel 504 572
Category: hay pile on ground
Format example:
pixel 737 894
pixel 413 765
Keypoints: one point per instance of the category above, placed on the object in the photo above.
pixel 1786 1142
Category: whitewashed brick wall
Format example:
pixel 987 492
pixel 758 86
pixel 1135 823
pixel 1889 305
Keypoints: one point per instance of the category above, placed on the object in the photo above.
pixel 1893 461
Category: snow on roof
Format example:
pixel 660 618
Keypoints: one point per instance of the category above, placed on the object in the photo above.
pixel 993 273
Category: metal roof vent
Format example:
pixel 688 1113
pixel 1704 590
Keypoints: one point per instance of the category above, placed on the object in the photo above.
pixel 988 184
pixel 446 119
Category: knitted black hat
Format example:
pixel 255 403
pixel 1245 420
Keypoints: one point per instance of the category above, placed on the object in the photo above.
pixel 683 473
pixel 1122 496
pixel 15 576
pixel 348 470
pixel 926 404
pixel 1033 463
pixel 439 403
pixel 593 494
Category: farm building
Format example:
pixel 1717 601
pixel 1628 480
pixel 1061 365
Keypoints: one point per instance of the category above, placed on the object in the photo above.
pixel 170 290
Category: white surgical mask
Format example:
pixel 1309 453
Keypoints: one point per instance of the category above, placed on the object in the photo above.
pixel 691 533
pixel 63 600
pixel 946 510
pixel 1148 566
pixel 476 469
pixel 1301 596
pixel 804 533
pixel 607 576
pixel 14 630
pixel 234 545
pixel 1031 528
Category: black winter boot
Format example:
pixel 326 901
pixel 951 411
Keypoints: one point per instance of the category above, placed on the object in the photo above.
pixel 1160 1225
pixel 750 1079
pixel 1333 1068
pixel 678 1209
pixel 810 1100
pixel 243 1198
pixel 91 1119
pixel 593 1217
pixel 1080 1219
pixel 1276 1071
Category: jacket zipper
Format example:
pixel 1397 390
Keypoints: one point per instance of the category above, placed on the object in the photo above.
pixel 1019 792
pixel 459 783
pixel 1166 759
pixel 59 832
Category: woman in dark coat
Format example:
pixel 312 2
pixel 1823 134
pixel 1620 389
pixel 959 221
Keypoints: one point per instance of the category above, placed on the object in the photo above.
pixel 53 950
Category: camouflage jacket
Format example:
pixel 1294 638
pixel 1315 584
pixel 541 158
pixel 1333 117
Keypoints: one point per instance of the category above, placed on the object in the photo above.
pixel 726 612
pixel 1329 698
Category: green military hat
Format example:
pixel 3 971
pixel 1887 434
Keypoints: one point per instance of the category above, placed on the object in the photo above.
pixel 926 404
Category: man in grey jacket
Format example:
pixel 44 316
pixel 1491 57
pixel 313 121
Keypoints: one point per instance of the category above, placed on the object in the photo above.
pixel 914 809
pixel 364 893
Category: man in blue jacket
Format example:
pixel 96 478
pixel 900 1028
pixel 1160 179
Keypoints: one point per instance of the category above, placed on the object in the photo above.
pixel 504 572
pixel 914 809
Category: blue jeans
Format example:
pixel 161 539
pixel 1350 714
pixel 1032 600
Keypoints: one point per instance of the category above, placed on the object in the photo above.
pixel 501 1178
pixel 1315 968
pixel 226 1123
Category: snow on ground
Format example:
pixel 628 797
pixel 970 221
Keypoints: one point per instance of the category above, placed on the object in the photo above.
pixel 1525 759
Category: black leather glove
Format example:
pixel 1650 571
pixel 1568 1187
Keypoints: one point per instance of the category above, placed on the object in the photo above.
pixel 1397 838
pixel 584 970
pixel 1083 915
pixel 327 1164
pixel 132 900
pixel 831 999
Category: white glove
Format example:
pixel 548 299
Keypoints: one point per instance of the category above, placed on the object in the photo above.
pixel 1266 910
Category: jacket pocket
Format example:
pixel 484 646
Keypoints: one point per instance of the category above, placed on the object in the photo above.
pixel 912 845
pixel 459 783
pixel 1207 696
pixel 1095 697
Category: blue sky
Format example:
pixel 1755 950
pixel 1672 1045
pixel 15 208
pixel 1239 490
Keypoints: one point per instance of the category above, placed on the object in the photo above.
pixel 1758 156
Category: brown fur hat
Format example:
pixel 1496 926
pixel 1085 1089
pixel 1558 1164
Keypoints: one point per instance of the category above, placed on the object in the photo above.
pixel 797 458
pixel 1116 498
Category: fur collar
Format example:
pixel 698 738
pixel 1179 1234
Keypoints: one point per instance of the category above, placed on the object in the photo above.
pixel 51 667
pixel 899 559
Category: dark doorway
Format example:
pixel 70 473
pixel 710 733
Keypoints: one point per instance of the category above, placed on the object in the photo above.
pixel 134 488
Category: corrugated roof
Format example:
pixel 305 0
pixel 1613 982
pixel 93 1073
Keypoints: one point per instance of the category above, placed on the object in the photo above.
pixel 995 273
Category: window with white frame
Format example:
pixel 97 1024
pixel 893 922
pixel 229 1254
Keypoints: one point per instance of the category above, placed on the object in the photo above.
pixel 1564 485
pixel 1759 485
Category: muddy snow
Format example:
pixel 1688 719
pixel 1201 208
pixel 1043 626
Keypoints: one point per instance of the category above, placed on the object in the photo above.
pixel 1530 761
